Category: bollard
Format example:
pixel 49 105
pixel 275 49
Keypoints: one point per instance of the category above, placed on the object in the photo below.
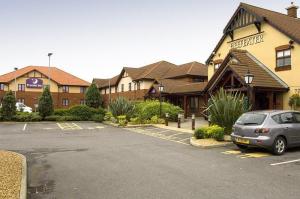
pixel 193 121
pixel 167 119
pixel 178 122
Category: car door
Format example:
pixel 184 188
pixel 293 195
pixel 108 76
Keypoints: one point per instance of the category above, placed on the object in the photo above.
pixel 297 127
pixel 288 124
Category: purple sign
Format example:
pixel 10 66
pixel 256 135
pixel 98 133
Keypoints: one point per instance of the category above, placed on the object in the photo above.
pixel 34 83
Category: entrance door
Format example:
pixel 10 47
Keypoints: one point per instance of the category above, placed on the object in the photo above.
pixel 261 101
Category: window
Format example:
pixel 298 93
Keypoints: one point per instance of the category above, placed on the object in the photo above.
pixel 283 58
pixel 129 86
pixel 82 102
pixel 138 85
pixel 21 100
pixel 65 102
pixel 1 87
pixel 284 118
pixel 122 87
pixel 21 87
pixel 65 89
pixel 251 119
pixel 297 117
pixel 82 89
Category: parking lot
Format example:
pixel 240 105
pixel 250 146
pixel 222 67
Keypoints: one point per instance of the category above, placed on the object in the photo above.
pixel 92 160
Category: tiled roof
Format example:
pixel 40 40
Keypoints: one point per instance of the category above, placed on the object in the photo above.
pixel 192 68
pixel 240 61
pixel 156 71
pixel 59 76
pixel 289 26
pixel 173 86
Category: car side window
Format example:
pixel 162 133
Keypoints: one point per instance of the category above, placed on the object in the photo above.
pixel 276 118
pixel 286 118
pixel 297 117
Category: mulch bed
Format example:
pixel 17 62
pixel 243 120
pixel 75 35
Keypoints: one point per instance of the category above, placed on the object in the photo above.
pixel 10 175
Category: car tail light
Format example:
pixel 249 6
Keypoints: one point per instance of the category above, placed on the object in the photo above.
pixel 262 130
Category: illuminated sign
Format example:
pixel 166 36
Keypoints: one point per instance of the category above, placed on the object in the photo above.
pixel 247 41
pixel 34 83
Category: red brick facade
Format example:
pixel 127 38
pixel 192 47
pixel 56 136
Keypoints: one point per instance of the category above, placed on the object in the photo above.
pixel 31 98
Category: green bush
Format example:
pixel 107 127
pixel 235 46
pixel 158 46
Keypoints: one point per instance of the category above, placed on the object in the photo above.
pixel 61 112
pixel 93 97
pixel 97 118
pixel 121 106
pixel 82 112
pixel 27 117
pixel 294 101
pixel 199 133
pixel 135 120
pixel 147 109
pixel 122 120
pixel 225 108
pixel 8 106
pixel 216 132
pixel 108 116
pixel 45 107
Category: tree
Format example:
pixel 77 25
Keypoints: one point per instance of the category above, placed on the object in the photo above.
pixel 45 103
pixel 9 106
pixel 93 97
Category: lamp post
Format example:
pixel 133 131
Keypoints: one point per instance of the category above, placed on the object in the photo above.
pixel 161 89
pixel 49 55
pixel 15 82
pixel 248 79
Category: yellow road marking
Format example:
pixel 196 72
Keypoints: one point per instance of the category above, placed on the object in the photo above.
pixel 156 135
pixel 68 126
pixel 246 155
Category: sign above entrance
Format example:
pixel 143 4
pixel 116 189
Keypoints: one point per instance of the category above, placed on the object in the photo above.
pixel 247 41
pixel 34 83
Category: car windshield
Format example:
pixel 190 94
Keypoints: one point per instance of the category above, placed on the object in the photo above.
pixel 251 119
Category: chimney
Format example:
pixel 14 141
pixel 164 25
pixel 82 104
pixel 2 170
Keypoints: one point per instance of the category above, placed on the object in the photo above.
pixel 292 10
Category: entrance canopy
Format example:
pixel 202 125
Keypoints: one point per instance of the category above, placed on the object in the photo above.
pixel 231 74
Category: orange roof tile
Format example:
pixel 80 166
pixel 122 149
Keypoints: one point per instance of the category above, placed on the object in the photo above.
pixel 59 76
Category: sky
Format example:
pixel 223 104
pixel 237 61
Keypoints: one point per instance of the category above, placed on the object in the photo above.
pixel 97 38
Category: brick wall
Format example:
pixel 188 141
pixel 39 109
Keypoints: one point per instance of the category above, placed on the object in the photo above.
pixel 31 98
pixel 130 95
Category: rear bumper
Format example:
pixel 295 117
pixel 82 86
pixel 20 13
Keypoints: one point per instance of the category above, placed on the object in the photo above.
pixel 260 141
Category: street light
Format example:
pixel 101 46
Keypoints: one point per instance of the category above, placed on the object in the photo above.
pixel 161 89
pixel 248 79
pixel 15 82
pixel 49 55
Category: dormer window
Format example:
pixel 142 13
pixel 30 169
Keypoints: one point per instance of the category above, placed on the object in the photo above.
pixel 283 59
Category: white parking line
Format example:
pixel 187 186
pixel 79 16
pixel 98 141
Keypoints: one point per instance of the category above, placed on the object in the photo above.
pixel 287 162
pixel 24 128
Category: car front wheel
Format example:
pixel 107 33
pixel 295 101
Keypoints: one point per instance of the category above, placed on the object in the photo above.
pixel 279 146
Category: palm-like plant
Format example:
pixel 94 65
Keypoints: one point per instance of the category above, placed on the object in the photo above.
pixel 225 108
pixel 121 106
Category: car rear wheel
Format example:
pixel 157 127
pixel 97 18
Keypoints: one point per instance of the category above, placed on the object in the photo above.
pixel 279 146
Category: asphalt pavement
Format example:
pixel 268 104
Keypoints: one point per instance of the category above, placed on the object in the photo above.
pixel 86 160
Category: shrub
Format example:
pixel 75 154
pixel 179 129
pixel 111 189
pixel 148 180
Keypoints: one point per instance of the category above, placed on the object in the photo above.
pixel 199 133
pixel 54 118
pixel 122 120
pixel 108 116
pixel 294 101
pixel 225 108
pixel 216 132
pixel 61 112
pixel 121 106
pixel 27 117
pixel 135 120
pixel 147 109
pixel 97 118
pixel 8 106
pixel 45 103
pixel 82 112
pixel 93 97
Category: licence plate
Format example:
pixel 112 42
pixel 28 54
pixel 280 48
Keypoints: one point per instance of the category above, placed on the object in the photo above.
pixel 242 141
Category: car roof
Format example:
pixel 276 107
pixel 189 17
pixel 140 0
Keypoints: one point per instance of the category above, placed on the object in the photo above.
pixel 273 112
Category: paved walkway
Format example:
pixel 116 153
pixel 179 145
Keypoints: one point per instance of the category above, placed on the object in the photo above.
pixel 187 123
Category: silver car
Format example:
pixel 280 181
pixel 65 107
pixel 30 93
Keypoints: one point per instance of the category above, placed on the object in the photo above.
pixel 273 130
